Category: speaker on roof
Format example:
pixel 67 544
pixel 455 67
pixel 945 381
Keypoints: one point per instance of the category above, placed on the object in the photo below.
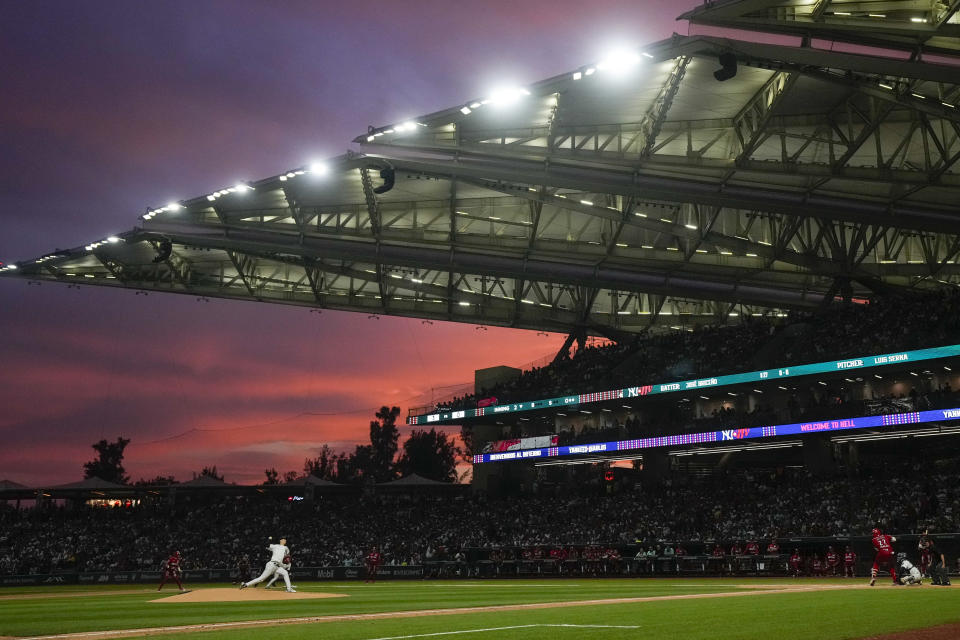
pixel 728 67
pixel 388 176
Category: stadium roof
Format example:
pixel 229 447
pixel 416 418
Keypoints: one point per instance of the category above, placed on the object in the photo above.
pixel 929 25
pixel 634 192
pixel 92 484
pixel 414 480
pixel 311 480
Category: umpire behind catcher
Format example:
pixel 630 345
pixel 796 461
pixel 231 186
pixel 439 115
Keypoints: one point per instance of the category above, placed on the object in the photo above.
pixel 938 565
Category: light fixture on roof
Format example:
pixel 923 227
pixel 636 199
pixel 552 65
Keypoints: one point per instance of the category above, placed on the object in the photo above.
pixel 508 95
pixel 113 239
pixel 319 169
pixel 918 19
pixel 577 75
pixel 619 61
pixel 465 110
pixel 173 206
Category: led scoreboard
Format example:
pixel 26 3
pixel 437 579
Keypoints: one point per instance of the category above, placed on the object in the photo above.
pixel 797 428
pixel 576 400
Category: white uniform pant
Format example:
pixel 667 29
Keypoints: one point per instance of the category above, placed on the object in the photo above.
pixel 268 571
pixel 279 573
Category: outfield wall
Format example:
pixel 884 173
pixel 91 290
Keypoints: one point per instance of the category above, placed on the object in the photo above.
pixel 477 564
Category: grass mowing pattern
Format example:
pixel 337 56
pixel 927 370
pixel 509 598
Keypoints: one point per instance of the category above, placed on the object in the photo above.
pixel 828 615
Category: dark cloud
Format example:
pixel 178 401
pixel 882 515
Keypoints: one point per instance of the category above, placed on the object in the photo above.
pixel 111 107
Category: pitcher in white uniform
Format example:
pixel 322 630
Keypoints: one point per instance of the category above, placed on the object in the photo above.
pixel 277 553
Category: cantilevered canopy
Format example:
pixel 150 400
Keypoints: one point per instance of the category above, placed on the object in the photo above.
pixel 635 192
pixel 930 26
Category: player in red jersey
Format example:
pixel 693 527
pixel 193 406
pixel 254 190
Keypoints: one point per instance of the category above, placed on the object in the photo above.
pixel 849 562
pixel 373 562
pixel 923 547
pixel 172 571
pixel 795 563
pixel 753 549
pixel 773 548
pixel 833 561
pixel 884 558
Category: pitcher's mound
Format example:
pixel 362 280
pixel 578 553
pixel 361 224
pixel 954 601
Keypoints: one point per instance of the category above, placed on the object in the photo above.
pixel 235 594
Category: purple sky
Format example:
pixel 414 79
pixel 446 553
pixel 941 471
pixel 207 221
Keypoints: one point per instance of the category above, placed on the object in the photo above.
pixel 110 107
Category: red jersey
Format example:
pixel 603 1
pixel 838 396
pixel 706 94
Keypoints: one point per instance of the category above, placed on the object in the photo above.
pixel 172 565
pixel 883 544
pixel 795 560
pixel 832 558
pixel 735 550
pixel 717 551
pixel 849 558
pixel 753 548
pixel 373 558
pixel 773 548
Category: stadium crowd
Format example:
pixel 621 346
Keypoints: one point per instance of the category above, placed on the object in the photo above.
pixel 412 528
pixel 836 332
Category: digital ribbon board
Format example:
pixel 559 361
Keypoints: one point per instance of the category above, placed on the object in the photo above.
pixel 767 375
pixel 886 420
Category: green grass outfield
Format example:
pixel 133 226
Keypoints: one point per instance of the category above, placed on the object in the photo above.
pixel 813 615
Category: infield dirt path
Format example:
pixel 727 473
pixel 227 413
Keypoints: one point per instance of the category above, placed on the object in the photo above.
pixel 386 615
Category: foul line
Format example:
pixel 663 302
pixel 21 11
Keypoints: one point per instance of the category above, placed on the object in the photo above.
pixel 384 615
pixel 517 626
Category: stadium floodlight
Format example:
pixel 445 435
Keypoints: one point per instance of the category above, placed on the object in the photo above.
pixel 465 110
pixel 407 126
pixel 577 75
pixel 918 19
pixel 475 105
pixel 619 61
pixel 113 239
pixel 319 169
pixel 589 203
pixel 173 206
pixel 507 96
pixel 371 138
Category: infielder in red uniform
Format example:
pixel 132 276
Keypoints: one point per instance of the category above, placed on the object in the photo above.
pixel 796 563
pixel 923 547
pixel 849 562
pixel 172 571
pixel 373 562
pixel 833 561
pixel 884 558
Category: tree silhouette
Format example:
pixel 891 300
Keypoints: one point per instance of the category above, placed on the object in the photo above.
pixel 159 481
pixel 429 454
pixel 383 445
pixel 290 476
pixel 271 475
pixel 107 466
pixel 209 472
pixel 323 466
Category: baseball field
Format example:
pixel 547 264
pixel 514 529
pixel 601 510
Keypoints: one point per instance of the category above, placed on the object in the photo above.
pixel 715 609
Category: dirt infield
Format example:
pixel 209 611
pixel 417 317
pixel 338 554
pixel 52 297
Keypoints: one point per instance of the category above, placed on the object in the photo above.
pixel 941 632
pixel 244 595
pixel 221 626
